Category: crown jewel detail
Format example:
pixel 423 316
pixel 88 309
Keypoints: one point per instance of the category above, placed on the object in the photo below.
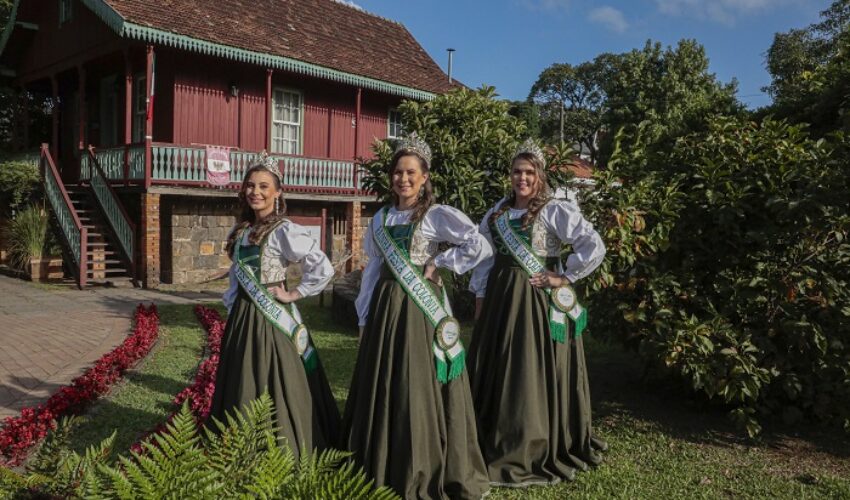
pixel 269 162
pixel 530 147
pixel 412 143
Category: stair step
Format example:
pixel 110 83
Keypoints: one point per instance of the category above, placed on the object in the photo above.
pixel 102 252
pixel 110 270
pixel 98 244
pixel 106 261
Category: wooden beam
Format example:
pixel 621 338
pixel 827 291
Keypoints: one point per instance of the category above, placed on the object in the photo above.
pixel 149 69
pixel 269 74
pixel 27 26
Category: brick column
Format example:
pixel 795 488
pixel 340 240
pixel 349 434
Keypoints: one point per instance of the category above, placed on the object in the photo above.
pixel 150 235
pixel 353 234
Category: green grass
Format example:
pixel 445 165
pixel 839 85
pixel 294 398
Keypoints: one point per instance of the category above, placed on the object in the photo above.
pixel 662 443
pixel 144 398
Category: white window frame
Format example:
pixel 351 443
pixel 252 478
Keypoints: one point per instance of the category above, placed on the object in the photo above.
pixel 140 107
pixel 66 11
pixel 299 144
pixel 400 131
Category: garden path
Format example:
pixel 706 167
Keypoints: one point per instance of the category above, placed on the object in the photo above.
pixel 49 335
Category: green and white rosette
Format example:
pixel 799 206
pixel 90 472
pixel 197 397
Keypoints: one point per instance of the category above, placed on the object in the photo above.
pixel 563 300
pixel 449 354
pixel 285 317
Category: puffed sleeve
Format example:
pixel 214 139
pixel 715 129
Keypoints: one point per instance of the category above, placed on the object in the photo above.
pixel 296 245
pixel 370 276
pixel 481 273
pixel 564 219
pixel 444 223
pixel 229 296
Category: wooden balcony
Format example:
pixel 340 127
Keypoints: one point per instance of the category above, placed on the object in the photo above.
pixel 185 166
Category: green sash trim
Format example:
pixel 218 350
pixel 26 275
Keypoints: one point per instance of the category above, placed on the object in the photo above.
pixel 276 313
pixel 532 264
pixel 449 354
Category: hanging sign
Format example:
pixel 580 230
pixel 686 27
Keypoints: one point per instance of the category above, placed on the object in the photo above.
pixel 218 165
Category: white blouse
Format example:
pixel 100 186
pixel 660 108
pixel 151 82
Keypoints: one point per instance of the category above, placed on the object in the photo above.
pixel 560 218
pixel 291 243
pixel 441 223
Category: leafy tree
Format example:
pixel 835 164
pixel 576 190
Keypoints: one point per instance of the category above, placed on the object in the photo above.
pixel 671 89
pixel 528 113
pixel 572 102
pixel 810 70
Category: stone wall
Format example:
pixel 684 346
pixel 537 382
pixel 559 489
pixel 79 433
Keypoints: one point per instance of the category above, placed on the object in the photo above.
pixel 197 237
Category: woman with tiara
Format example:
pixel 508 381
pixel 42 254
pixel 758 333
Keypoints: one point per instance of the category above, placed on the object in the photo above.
pixel 526 358
pixel 409 418
pixel 266 347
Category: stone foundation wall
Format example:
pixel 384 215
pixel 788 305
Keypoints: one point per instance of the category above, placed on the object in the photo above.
pixel 198 237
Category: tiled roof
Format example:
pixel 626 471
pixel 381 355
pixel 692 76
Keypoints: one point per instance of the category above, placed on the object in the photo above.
pixel 322 32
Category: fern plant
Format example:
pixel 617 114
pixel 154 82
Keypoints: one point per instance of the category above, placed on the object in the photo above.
pixel 241 458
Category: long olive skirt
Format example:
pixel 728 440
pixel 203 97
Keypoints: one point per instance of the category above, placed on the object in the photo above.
pixel 531 394
pixel 406 429
pixel 255 358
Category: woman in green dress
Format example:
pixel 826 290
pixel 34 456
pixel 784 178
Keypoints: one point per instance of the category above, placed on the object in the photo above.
pixel 265 347
pixel 526 358
pixel 409 418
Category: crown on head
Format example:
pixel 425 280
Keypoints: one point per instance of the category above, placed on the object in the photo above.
pixel 530 147
pixel 412 143
pixel 269 162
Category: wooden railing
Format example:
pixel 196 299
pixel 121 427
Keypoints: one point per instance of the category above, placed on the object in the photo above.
pixel 120 223
pixel 72 229
pixel 173 164
pixel 176 164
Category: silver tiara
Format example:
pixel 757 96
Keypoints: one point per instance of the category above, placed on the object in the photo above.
pixel 412 143
pixel 530 147
pixel 270 163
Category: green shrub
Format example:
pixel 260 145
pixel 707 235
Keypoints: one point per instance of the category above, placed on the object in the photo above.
pixel 729 265
pixel 28 236
pixel 243 460
pixel 19 183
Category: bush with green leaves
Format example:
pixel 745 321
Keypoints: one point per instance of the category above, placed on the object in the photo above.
pixel 19 184
pixel 729 264
pixel 243 459
pixel 28 236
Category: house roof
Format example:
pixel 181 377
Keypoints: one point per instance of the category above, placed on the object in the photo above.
pixel 325 34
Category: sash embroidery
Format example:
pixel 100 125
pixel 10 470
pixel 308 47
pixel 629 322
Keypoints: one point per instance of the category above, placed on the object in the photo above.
pixel 532 264
pixel 449 358
pixel 278 315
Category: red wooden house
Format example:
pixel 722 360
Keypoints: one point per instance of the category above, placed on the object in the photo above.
pixel 150 86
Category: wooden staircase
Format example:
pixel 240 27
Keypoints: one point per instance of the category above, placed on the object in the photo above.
pixel 103 258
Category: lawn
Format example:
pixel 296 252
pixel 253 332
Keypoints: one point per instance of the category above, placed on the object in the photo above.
pixel 663 444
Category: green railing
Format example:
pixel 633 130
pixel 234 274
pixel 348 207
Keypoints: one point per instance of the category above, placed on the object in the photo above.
pixel 113 162
pixel 180 164
pixel 119 221
pixel 136 161
pixel 69 223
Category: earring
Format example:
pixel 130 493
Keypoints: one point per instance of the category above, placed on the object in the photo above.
pixel 422 191
pixel 276 205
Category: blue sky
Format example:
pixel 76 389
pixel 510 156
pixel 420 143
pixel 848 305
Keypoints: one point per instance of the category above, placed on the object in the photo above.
pixel 507 43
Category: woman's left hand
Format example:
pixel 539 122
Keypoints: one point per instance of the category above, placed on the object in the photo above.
pixel 548 279
pixel 283 295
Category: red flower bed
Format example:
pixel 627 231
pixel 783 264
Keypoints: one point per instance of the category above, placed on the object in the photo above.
pixel 200 393
pixel 20 433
